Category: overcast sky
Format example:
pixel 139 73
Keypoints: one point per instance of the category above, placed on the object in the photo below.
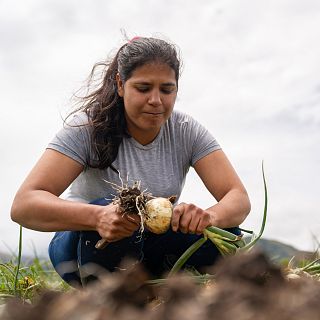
pixel 251 76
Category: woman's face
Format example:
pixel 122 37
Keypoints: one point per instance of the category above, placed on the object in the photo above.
pixel 149 96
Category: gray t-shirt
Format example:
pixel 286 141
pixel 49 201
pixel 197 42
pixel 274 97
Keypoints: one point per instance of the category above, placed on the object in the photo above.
pixel 161 166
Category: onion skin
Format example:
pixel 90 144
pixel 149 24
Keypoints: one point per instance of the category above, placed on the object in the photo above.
pixel 158 215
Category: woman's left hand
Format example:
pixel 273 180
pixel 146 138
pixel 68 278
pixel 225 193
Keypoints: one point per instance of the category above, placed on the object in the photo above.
pixel 188 218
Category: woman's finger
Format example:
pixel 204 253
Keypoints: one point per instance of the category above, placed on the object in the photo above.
pixel 184 223
pixel 176 215
pixel 194 225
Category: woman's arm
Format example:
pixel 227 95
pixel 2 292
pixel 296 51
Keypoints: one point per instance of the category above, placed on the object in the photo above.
pixel 223 183
pixel 37 204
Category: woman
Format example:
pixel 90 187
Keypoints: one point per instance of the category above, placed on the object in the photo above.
pixel 127 128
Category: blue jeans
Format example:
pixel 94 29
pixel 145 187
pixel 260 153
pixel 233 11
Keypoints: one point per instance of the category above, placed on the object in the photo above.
pixel 156 252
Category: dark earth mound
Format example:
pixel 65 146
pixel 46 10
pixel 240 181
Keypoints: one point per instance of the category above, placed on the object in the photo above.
pixel 245 287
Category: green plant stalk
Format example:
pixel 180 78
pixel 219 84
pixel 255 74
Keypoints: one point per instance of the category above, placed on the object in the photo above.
pixel 199 279
pixel 19 262
pixel 305 268
pixel 225 251
pixel 7 268
pixel 254 241
pixel 225 247
pixel 222 249
pixel 230 247
pixel 186 255
pixel 223 233
pixel 314 271
pixel 217 233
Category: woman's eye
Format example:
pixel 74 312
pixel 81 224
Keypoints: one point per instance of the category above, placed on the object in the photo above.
pixel 167 90
pixel 142 89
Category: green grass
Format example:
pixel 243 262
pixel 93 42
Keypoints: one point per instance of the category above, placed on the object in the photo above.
pixel 27 281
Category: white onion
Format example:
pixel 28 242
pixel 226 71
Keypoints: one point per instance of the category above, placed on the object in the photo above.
pixel 158 215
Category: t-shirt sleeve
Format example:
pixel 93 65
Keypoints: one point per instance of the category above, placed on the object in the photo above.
pixel 73 140
pixel 203 143
pixel 198 141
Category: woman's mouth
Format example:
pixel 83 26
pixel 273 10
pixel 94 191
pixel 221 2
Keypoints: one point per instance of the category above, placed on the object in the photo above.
pixel 154 113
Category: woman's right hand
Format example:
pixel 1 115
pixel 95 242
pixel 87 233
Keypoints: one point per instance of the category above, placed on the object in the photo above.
pixel 114 225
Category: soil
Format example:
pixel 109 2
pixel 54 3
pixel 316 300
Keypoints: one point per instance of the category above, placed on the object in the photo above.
pixel 245 287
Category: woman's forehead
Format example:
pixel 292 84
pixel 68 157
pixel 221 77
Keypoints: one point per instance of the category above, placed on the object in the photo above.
pixel 154 70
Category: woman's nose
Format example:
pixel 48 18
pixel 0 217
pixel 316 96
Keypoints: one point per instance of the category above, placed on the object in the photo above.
pixel 155 98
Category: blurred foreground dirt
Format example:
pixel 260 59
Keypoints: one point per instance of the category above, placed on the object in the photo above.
pixel 246 287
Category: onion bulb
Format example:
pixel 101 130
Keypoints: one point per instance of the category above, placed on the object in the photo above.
pixel 158 215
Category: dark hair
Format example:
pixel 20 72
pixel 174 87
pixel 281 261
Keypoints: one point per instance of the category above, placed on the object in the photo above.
pixel 104 106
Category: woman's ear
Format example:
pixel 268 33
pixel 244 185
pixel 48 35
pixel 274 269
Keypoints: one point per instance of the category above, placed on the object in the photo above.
pixel 119 85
